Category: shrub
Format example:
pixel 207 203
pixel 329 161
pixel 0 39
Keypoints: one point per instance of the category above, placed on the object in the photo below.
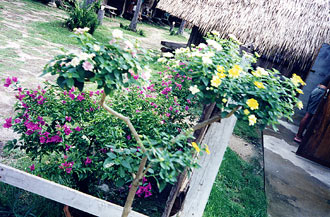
pixel 83 15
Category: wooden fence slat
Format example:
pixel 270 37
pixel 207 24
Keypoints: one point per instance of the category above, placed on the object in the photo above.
pixel 202 179
pixel 61 194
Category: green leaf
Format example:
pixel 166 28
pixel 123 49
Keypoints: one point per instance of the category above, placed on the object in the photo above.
pixel 69 82
pixel 126 164
pixel 60 81
pixel 111 155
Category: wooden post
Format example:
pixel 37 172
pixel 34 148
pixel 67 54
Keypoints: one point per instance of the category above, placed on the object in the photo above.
pixel 181 28
pixel 202 179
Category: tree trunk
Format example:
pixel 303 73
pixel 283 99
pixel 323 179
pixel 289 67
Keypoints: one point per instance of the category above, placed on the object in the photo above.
pixel 100 15
pixel 196 37
pixel 124 8
pixel 134 21
pixel 181 28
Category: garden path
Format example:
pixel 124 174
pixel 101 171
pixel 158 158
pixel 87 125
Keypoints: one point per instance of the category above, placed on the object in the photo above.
pixel 295 186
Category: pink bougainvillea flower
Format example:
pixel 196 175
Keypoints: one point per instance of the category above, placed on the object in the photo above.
pixel 88 66
pixel 63 101
pixel 8 123
pixel 171 108
pixel 65 157
pixel 7 82
pixel 14 79
pixel 136 77
pixel 77 129
pixel 68 118
pixel 186 108
pixel 168 114
pixel 68 170
pixel 67 130
pixel 91 94
pixel 88 161
pixel 80 98
pixel 128 137
pixel 20 96
pixel 32 167
pixel 67 147
pixel 72 96
pixel 17 121
pixel 42 140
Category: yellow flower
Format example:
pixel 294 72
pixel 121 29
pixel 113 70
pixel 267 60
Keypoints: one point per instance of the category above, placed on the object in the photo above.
pixel 252 103
pixel 300 91
pixel 224 100
pixel 256 73
pixel 235 71
pixel 252 120
pixel 220 69
pixel 246 111
pixel 216 81
pixel 207 150
pixel 194 144
pixel 296 80
pixel 300 105
pixel 259 84
pixel 221 75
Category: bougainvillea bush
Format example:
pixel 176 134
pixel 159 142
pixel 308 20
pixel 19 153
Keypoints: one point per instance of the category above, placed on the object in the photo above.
pixel 88 138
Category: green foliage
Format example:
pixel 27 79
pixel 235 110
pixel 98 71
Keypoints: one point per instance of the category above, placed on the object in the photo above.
pixel 17 202
pixel 222 75
pixel 140 32
pixel 82 16
pixel 238 190
pixel 108 65
pixel 248 133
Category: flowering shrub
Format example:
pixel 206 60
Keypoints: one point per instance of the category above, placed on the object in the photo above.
pixel 84 143
pixel 221 75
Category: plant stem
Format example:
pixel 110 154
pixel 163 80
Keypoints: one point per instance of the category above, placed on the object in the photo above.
pixel 141 172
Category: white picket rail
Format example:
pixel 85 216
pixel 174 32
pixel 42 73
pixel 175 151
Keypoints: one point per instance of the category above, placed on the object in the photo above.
pixel 60 193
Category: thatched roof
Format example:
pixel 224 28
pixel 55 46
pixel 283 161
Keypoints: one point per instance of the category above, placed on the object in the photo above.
pixel 296 29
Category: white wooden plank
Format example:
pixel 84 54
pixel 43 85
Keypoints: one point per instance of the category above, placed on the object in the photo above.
pixel 202 179
pixel 61 194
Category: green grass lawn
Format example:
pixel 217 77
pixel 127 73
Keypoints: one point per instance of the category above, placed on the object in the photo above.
pixel 238 190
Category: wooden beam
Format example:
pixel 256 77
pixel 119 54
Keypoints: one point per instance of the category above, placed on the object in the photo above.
pixel 60 193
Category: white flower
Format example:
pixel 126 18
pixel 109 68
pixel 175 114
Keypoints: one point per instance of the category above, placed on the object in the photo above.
pixel 74 62
pixel 146 74
pixel 116 33
pixel 168 55
pixel 83 56
pixel 162 60
pixel 214 44
pixel 233 37
pixel 262 71
pixel 207 60
pixel 194 89
pixel 86 29
pixel 209 54
pixel 128 44
pixel 96 47
pixel 181 50
pixel 196 53
pixel 216 33
pixel 202 45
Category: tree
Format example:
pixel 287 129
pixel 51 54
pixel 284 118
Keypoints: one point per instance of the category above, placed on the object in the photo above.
pixel 134 21
pixel 181 28
pixel 123 10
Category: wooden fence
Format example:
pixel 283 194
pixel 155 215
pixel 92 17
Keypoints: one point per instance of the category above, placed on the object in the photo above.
pixel 61 194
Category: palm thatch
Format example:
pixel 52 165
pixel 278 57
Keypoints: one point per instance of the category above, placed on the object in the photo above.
pixel 294 29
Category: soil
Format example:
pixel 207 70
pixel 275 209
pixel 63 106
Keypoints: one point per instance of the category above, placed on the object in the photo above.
pixel 245 150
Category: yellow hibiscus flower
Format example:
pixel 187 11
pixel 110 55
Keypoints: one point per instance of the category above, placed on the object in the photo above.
pixel 221 75
pixel 252 120
pixel 195 146
pixel 259 84
pixel 220 69
pixel 207 150
pixel 216 81
pixel 300 91
pixel 246 111
pixel 224 100
pixel 235 71
pixel 297 80
pixel 252 103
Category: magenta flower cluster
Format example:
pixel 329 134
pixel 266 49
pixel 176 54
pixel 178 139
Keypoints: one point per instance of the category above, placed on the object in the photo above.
pixel 144 189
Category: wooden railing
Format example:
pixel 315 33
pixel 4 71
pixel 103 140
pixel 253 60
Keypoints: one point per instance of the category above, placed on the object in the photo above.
pixel 61 194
